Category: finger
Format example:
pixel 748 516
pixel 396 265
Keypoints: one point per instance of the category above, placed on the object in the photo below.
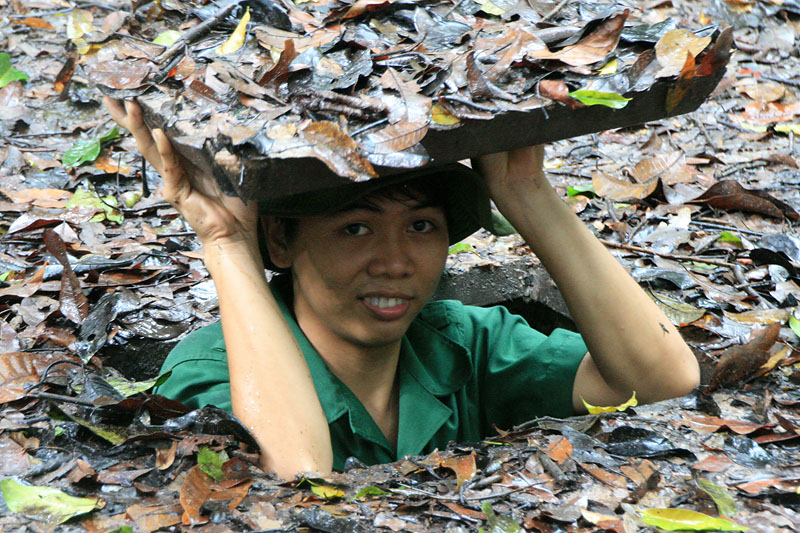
pixel 134 122
pixel 116 109
pixel 176 184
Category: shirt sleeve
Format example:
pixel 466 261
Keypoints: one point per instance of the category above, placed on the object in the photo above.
pixel 522 374
pixel 199 366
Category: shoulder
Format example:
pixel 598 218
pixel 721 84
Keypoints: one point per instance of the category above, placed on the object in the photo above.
pixel 204 342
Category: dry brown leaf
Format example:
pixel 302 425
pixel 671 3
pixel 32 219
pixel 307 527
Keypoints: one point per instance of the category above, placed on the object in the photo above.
pixel 674 47
pixel 609 478
pixel 559 451
pixel 463 466
pixel 592 48
pixel 607 186
pixel 19 369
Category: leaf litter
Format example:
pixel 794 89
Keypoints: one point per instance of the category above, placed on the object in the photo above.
pixel 719 208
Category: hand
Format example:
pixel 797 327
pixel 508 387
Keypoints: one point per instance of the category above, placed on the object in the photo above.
pixel 214 216
pixel 508 174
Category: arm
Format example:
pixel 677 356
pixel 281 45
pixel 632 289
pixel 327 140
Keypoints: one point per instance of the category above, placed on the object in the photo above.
pixel 271 388
pixel 632 345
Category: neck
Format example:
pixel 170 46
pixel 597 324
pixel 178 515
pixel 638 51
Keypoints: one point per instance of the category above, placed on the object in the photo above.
pixel 369 371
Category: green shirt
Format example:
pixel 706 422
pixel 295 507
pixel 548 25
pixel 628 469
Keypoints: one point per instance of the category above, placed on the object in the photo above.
pixel 462 371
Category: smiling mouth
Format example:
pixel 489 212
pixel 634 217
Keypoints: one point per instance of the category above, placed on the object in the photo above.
pixel 384 303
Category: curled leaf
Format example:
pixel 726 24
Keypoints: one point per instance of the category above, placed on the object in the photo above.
pixel 595 410
pixel 236 40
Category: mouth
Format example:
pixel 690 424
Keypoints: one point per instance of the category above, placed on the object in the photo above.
pixel 387 307
pixel 382 302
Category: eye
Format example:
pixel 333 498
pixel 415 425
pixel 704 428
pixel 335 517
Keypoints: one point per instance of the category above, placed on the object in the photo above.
pixel 422 226
pixel 355 230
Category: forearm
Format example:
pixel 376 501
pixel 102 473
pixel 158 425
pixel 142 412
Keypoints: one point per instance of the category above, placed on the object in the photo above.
pixel 271 388
pixel 631 341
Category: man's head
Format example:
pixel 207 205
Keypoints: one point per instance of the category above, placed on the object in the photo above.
pixel 362 273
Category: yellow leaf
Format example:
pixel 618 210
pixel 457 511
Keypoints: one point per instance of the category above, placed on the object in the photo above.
pixel 787 127
pixel 82 46
pixel 755 128
pixel 236 40
pixel 79 23
pixel 609 68
pixel 488 7
pixel 776 358
pixel 441 116
pixel 595 410
pixel 327 492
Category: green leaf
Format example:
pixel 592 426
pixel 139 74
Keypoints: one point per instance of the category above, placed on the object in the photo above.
pixel 86 150
pixel 722 498
pixel 9 73
pixel 612 100
pixel 4 275
pixel 129 388
pixel 108 205
pixel 501 226
pixel 369 491
pixel 586 190
pixel 211 462
pixel 461 247
pixel 795 325
pixel 727 236
pixel 683 519
pixel 58 431
pixel 498 523
pixel 167 38
pixel 122 529
pixel 45 504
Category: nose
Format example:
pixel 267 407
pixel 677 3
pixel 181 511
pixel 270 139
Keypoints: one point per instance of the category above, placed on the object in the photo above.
pixel 391 257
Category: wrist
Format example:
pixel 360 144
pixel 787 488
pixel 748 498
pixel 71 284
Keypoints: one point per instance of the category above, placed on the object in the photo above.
pixel 222 255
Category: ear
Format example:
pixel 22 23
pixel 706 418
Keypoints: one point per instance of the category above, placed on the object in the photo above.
pixel 277 241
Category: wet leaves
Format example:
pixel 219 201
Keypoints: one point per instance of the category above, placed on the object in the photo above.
pixel 45 504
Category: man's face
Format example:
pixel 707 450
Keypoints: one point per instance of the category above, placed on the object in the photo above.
pixel 360 276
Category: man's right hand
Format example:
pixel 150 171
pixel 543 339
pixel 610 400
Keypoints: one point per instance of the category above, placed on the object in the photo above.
pixel 218 219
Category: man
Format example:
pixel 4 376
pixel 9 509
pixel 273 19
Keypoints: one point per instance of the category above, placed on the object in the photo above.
pixel 350 358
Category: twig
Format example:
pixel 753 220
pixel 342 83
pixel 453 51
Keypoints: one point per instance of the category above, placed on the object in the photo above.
pixel 555 10
pixel 470 103
pixel 639 249
pixel 715 225
pixel 61 398
pixel 704 131
pixel 739 275
pixel 410 491
pixel 781 80
pixel 744 166
pixel 195 32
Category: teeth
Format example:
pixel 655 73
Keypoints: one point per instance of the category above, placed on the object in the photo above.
pixel 376 301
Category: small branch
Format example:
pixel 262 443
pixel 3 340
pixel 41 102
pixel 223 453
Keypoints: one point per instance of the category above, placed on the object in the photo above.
pixel 409 491
pixel 555 10
pixel 195 32
pixel 784 81
pixel 60 398
pixel 639 249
